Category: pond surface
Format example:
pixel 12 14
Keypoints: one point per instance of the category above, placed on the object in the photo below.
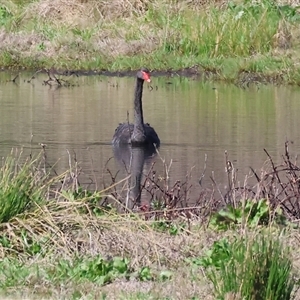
pixel 193 119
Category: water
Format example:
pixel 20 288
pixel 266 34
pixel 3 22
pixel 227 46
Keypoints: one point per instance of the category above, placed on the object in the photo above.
pixel 193 120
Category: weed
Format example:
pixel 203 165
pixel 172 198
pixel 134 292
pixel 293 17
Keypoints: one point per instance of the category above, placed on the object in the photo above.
pixel 219 254
pixel 5 15
pixel 145 274
pixel 170 227
pixel 21 187
pixel 258 268
pixel 251 213
pixel 96 269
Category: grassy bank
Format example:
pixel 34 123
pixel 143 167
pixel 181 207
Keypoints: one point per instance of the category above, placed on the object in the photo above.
pixel 228 40
pixel 61 241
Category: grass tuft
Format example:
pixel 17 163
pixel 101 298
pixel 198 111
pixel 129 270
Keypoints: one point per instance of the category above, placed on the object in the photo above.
pixel 21 187
pixel 259 267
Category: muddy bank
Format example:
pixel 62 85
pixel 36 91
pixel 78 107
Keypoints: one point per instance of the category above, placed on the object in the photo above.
pixel 243 80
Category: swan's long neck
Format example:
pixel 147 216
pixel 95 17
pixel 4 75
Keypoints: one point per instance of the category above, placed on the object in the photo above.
pixel 138 134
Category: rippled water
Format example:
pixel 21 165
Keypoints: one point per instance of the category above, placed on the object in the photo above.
pixel 193 120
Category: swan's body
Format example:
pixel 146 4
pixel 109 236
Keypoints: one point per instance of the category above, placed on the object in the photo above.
pixel 124 135
pixel 137 133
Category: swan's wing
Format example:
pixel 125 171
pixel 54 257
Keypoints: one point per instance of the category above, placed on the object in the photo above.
pixel 151 134
pixel 122 134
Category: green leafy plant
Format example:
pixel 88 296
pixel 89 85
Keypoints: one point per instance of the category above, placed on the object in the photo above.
pixel 31 247
pixel 41 46
pixel 5 15
pixel 167 226
pixel 5 242
pixel 85 34
pixel 220 253
pixel 259 267
pixel 90 201
pixel 165 275
pixel 249 212
pixel 145 274
pixel 96 269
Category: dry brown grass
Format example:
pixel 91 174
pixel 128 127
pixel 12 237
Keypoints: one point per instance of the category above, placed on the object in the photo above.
pixel 64 232
pixel 71 233
pixel 24 42
pixel 87 12
pixel 83 13
pixel 80 12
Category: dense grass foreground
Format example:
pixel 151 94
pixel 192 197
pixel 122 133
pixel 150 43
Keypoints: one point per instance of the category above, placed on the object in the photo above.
pixel 227 39
pixel 59 241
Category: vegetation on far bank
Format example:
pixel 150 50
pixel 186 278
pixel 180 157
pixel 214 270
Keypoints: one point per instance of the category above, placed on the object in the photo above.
pixel 228 40
pixel 60 240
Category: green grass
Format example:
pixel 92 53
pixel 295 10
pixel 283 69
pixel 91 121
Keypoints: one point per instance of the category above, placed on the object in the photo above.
pixel 258 267
pixel 242 36
pixel 21 187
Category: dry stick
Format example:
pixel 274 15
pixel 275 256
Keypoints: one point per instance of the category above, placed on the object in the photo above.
pixel 57 80
pixel 44 156
pixel 147 176
pixel 166 169
pixel 93 171
pixel 31 138
pixel 72 174
pixel 115 184
pixel 50 72
pixel 14 79
pixel 33 76
pixel 204 169
pixel 77 184
pixel 293 167
pixel 228 168
pixel 293 180
pixel 275 172
pixel 186 189
pixel 158 186
pixel 113 187
pixel 218 189
pixel 103 170
pixel 47 82
pixel 259 181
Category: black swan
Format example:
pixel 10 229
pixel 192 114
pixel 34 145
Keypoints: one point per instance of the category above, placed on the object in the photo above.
pixel 137 134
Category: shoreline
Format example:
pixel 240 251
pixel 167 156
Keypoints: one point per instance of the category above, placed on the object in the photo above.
pixel 243 79
pixel 238 42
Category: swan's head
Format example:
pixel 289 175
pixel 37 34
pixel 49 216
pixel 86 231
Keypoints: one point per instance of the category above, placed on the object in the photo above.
pixel 144 74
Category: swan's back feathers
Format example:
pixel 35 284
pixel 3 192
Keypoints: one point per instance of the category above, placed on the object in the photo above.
pixel 122 134
pixel 124 131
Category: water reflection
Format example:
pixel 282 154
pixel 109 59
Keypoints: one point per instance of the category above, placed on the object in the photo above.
pixel 134 161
